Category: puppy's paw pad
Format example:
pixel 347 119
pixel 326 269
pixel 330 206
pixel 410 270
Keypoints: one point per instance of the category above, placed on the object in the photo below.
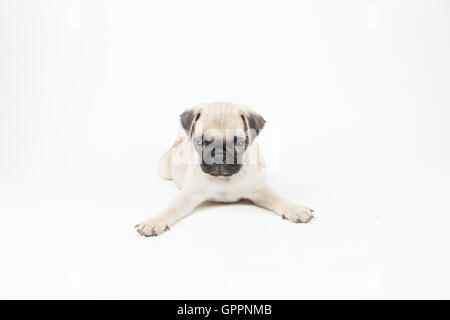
pixel 150 228
pixel 299 214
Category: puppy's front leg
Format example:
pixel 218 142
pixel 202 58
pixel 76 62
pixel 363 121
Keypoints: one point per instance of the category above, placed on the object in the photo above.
pixel 269 199
pixel 180 207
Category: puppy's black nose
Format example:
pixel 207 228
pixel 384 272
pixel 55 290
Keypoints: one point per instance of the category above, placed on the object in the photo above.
pixel 219 157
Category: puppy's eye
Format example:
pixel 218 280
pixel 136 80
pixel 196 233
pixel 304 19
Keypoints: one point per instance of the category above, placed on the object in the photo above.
pixel 240 145
pixel 198 144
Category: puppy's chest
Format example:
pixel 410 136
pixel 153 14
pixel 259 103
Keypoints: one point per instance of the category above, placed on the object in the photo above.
pixel 222 190
pixel 225 196
pixel 230 191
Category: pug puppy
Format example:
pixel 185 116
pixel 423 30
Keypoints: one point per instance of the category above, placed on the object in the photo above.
pixel 216 158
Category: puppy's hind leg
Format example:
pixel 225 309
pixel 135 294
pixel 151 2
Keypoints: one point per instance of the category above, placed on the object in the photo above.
pixel 164 165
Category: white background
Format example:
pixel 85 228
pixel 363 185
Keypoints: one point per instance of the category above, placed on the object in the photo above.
pixel 356 97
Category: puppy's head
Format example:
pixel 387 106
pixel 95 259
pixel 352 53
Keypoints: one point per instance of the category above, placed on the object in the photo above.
pixel 221 134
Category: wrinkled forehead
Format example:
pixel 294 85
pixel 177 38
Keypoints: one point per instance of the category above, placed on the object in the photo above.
pixel 213 124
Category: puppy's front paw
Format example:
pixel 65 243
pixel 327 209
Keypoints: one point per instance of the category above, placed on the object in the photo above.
pixel 152 227
pixel 298 214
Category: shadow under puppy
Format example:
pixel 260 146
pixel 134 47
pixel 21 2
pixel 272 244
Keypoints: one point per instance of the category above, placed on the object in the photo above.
pixel 216 158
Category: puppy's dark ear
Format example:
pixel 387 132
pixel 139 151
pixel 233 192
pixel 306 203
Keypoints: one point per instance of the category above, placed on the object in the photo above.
pixel 254 123
pixel 188 119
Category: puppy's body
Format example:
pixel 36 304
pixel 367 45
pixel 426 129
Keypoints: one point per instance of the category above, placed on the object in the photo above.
pixel 200 180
